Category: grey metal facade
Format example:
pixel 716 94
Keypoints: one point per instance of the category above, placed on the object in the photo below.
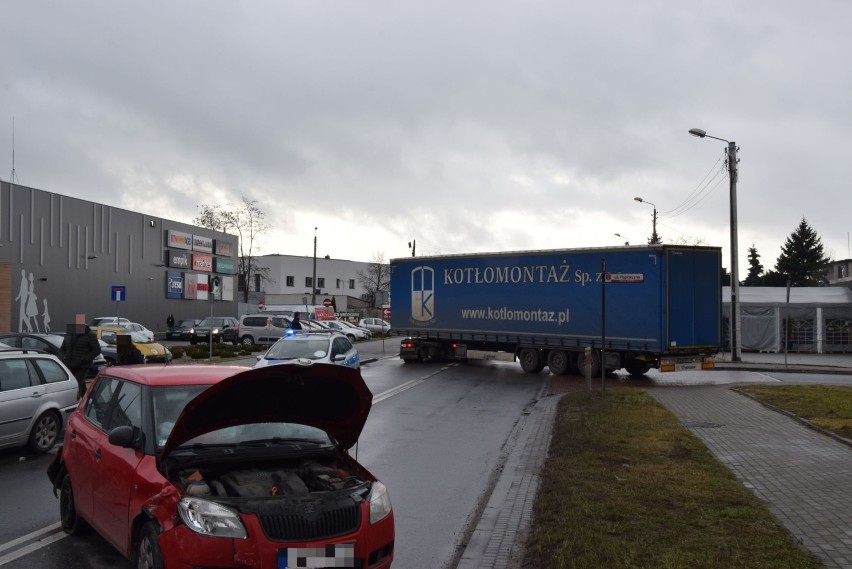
pixel 61 256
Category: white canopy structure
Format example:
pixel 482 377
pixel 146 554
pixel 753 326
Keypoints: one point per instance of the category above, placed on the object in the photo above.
pixel 819 319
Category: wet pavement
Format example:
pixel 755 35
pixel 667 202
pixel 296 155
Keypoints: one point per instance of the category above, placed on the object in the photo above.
pixel 802 474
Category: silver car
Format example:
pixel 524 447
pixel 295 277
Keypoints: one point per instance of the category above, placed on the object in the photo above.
pixel 37 393
pixel 376 326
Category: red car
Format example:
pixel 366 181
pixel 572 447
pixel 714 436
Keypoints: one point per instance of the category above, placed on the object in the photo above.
pixel 221 466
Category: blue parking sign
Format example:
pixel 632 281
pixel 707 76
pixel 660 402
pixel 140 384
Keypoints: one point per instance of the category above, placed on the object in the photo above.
pixel 118 293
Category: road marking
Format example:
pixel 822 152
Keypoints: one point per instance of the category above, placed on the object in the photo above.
pixel 407 385
pixel 9 557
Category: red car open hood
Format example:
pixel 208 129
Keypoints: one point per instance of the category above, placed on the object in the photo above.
pixel 330 397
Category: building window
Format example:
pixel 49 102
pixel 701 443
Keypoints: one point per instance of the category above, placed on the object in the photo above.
pixel 257 283
pixel 351 284
pixel 309 281
pixel 321 282
pixel 291 281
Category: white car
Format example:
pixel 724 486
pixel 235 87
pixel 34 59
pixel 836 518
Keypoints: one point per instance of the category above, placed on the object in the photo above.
pixel 107 321
pixel 136 327
pixel 352 332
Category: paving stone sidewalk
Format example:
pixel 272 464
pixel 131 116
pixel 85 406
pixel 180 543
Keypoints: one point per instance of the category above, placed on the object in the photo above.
pixel 803 475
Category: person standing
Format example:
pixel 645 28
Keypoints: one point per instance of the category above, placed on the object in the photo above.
pixel 79 348
pixel 296 324
pixel 170 321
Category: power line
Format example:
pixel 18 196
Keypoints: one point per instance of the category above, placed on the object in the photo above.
pixel 694 197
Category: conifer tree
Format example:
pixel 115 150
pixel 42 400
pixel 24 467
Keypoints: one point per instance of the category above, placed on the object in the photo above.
pixel 755 268
pixel 802 260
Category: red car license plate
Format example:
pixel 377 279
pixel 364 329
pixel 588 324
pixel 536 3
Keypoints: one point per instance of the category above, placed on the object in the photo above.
pixel 331 555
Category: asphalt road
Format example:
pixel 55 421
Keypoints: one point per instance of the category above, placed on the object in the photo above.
pixel 434 436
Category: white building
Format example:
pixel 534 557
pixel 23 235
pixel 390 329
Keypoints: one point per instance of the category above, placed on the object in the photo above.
pixel 289 279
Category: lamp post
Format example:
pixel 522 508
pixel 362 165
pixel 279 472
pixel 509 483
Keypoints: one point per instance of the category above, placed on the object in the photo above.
pixel 735 279
pixel 623 237
pixel 654 237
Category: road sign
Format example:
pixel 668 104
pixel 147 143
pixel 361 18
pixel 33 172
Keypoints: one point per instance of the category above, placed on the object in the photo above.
pixel 386 313
pixel 326 302
pixel 118 293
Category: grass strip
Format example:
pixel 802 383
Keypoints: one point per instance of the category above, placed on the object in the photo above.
pixel 826 406
pixel 626 486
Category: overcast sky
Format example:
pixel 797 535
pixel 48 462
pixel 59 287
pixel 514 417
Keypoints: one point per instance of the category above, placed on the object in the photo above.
pixel 466 126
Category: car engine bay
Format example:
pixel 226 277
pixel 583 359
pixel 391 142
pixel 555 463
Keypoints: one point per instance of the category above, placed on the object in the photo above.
pixel 300 478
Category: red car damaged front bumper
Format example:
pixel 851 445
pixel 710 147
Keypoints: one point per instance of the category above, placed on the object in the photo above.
pixel 372 546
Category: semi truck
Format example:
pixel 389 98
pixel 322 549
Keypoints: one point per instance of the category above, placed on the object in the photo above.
pixel 635 307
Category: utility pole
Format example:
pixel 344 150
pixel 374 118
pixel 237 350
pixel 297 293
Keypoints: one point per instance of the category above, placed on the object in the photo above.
pixel 314 279
pixel 736 352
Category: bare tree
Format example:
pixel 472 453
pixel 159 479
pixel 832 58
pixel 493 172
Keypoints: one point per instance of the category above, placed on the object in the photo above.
pixel 246 220
pixel 375 278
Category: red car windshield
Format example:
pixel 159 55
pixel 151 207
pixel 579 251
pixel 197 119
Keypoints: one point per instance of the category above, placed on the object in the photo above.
pixel 169 401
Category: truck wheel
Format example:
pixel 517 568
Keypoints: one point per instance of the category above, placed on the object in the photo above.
pixel 595 363
pixel 558 362
pixel 531 360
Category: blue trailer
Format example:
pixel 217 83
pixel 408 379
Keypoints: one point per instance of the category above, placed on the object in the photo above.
pixel 653 306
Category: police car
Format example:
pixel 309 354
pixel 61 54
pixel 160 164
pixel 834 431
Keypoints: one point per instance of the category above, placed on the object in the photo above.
pixel 309 348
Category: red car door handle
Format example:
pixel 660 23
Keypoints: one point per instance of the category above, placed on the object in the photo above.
pixel 98 454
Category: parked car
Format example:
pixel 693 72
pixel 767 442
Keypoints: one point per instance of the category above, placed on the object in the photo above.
pixel 109 352
pixel 37 392
pixel 352 332
pixel 309 348
pixel 153 352
pixel 136 327
pixel 49 343
pixel 375 325
pixel 181 329
pixel 231 467
pixel 220 328
pixel 108 321
pixel 261 328
pixel 356 327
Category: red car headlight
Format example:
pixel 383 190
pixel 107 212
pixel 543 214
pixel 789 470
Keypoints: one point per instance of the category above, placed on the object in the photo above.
pixel 380 504
pixel 209 518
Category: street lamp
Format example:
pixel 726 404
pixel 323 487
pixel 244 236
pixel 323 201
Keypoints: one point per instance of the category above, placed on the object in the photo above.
pixel 654 237
pixel 623 237
pixel 735 279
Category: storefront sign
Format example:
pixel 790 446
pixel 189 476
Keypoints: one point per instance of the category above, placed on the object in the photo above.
pixel 190 286
pixel 202 287
pixel 174 284
pixel 227 288
pixel 179 240
pixel 177 259
pixel 202 262
pixel 222 265
pixel 224 248
pixel 202 243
